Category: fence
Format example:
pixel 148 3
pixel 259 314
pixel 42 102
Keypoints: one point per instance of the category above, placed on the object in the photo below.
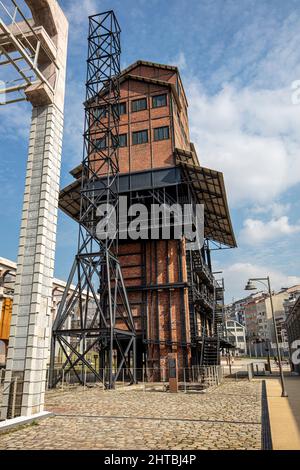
pixel 195 377
pixel 15 396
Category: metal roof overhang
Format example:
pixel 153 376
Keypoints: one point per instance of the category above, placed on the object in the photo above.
pixel 209 189
pixel 69 200
pixel 207 185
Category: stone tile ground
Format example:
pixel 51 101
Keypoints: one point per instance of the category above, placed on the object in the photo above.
pixel 226 418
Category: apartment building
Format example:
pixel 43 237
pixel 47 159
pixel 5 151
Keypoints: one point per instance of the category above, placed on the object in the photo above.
pixel 239 332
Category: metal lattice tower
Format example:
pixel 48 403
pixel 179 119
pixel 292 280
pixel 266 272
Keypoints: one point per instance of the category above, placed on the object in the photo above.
pixel 99 301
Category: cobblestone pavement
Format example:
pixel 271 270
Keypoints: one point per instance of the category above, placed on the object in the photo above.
pixel 227 418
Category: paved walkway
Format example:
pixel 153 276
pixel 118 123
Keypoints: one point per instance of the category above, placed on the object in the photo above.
pixel 284 413
pixel 227 418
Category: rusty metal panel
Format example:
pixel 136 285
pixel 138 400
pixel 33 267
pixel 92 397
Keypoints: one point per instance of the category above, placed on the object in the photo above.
pixel 5 318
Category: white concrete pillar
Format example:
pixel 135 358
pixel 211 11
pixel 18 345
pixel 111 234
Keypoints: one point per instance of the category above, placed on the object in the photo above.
pixel 28 350
pixel 31 317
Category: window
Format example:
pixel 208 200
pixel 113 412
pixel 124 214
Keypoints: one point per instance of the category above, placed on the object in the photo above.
pixel 159 100
pixel 100 112
pixel 161 133
pixel 122 108
pixel 139 105
pixel 100 143
pixel 140 137
pixel 123 140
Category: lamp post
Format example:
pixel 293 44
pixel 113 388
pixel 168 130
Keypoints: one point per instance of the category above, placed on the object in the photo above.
pixel 251 286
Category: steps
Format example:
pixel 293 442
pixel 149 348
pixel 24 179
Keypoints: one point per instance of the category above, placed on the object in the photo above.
pixel 211 351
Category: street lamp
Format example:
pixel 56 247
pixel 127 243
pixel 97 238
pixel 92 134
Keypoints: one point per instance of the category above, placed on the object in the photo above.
pixel 251 286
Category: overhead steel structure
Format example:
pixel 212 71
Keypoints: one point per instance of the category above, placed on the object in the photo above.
pixel 105 318
pixel 27 48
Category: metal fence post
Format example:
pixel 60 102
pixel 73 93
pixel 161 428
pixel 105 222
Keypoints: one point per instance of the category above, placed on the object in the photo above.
pixel 14 397
pixel 184 381
pixel 84 376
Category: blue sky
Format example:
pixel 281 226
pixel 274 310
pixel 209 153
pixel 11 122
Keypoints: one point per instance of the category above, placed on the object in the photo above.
pixel 238 60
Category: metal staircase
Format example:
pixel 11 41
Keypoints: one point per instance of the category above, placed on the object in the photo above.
pixel 211 351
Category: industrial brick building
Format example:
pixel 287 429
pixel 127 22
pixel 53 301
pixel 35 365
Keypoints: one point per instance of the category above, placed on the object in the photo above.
pixel 175 300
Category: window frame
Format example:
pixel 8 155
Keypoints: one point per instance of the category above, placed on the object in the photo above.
pixel 158 96
pixel 136 101
pixel 98 108
pixel 120 135
pixel 157 129
pixel 104 139
pixel 139 132
pixel 122 103
pixel 126 139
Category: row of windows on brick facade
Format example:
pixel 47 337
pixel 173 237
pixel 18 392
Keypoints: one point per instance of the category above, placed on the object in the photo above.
pixel 136 105
pixel 138 137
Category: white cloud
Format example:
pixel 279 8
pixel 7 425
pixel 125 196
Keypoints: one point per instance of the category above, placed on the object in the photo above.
pixel 276 209
pixel 237 275
pixel 180 61
pixel 257 231
pixel 15 121
pixel 251 135
pixel 78 11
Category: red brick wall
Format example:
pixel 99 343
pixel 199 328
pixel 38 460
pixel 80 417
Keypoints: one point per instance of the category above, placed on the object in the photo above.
pixel 152 154
pixel 166 309
pixel 155 263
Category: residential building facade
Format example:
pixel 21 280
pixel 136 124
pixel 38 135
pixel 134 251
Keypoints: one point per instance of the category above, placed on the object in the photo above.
pixel 239 332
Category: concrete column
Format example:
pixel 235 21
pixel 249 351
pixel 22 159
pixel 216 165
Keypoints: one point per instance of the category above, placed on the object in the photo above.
pixel 28 350
pixel 31 317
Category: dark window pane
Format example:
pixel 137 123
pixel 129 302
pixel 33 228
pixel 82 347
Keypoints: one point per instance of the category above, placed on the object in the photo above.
pixel 139 105
pixel 123 140
pixel 100 143
pixel 140 137
pixel 100 112
pixel 159 100
pixel 161 133
pixel 122 108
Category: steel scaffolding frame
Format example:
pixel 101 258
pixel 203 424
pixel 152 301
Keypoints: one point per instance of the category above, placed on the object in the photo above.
pixel 21 50
pixel 100 298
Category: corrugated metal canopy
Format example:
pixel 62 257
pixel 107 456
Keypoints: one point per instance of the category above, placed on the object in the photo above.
pixel 69 200
pixel 208 186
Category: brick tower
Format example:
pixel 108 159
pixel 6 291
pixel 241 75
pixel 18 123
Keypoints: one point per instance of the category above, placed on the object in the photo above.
pixel 173 295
